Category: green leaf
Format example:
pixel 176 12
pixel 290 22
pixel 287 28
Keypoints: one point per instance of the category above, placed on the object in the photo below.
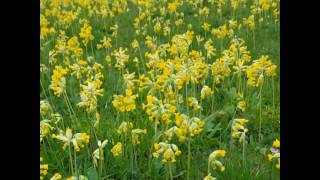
pixel 92 174
pixel 215 130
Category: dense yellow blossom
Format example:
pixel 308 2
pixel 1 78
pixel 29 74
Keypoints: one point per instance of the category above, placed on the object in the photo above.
pixel 58 80
pixel 168 152
pixel 125 103
pixel 117 149
pixel 78 140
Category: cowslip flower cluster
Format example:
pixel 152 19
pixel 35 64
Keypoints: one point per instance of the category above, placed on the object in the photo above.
pixel 129 80
pixel 121 57
pixel 78 140
pixel 73 46
pixel 45 108
pixel 98 153
pixel 193 103
pixel 43 169
pixel 206 91
pixel 239 130
pixel 79 69
pixel 220 70
pixel 58 81
pixel 241 104
pixel 56 176
pixel 213 159
pixel 275 152
pixel 261 68
pixel 117 149
pixel 249 22
pixel 135 134
pixel 45 30
pixel 86 32
pixel 185 127
pixel 168 152
pixel 125 103
pixel 221 32
pixel 104 43
pixel 209 47
pixel 45 128
pixel 214 162
pixel 157 110
pixel 91 89
pixel 126 129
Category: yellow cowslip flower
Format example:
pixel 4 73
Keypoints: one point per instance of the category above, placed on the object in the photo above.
pixel 168 152
pixel 238 55
pixel 135 135
pixel 43 169
pixel 181 43
pixel 150 42
pixel 185 127
pixel 193 103
pixel 249 21
pixel 45 30
pixel 211 51
pixel 276 144
pixel 89 92
pixel 204 11
pixel 166 30
pixel 135 44
pixel 79 69
pixel 124 127
pixel 73 46
pixel 241 105
pixel 158 110
pixel 209 177
pixel 172 7
pixel 43 69
pixel 58 81
pixel 104 43
pixel 278 164
pixel 45 128
pixel 261 68
pixel 238 129
pixel 170 132
pixel 117 149
pixel 56 176
pixel 267 4
pixel 206 26
pixel 275 152
pixel 125 103
pixel 206 91
pixel 114 30
pixel 157 27
pixel 45 107
pixel 98 153
pixel 220 70
pixel 213 159
pixel 78 140
pixel 129 80
pixel 121 57
pixel 232 23
pixel 221 32
pixel 86 32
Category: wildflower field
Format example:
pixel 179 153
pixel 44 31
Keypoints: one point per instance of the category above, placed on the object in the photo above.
pixel 159 89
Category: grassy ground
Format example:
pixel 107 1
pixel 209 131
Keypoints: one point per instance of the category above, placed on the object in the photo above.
pixel 136 161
